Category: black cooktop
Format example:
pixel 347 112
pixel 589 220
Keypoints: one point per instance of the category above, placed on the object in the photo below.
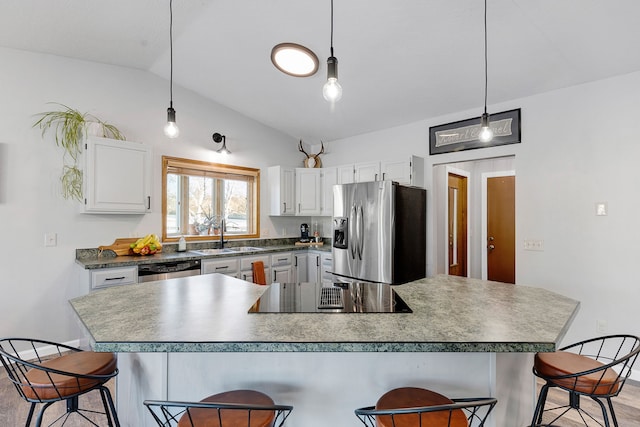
pixel 337 298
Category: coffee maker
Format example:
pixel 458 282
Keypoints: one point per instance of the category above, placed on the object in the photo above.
pixel 304 233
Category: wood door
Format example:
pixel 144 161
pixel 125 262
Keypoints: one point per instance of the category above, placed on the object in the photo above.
pixel 457 227
pixel 501 226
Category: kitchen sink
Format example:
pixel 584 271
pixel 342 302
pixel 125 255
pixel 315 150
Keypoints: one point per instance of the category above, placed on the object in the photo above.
pixel 226 250
pixel 212 251
pixel 247 249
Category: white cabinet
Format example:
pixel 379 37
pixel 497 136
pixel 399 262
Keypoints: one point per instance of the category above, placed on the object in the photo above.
pixel 300 267
pixel 313 267
pixel 281 190
pixel 107 277
pixel 329 179
pixel 116 176
pixel 409 171
pixel 282 267
pixel 308 191
pixel 366 172
pixel 346 174
pixel 246 267
pixel 228 266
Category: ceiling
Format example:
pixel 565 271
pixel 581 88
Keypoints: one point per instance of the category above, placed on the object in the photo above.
pixel 399 61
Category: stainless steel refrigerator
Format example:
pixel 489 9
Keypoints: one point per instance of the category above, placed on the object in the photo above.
pixel 379 232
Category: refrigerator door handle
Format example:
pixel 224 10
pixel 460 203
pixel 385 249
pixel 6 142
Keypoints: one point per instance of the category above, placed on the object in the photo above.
pixel 353 215
pixel 360 233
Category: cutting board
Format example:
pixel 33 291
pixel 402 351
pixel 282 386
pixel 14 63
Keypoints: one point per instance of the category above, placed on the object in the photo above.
pixel 309 244
pixel 119 246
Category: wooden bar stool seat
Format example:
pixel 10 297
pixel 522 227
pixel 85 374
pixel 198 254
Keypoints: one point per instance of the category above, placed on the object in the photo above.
pixel 201 417
pixel 46 385
pixel 237 408
pixel 419 407
pixel 413 397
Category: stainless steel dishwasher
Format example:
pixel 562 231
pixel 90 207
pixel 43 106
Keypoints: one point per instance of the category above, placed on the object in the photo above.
pixel 168 270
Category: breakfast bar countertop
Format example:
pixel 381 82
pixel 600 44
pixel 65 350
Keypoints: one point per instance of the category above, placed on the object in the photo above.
pixel 209 313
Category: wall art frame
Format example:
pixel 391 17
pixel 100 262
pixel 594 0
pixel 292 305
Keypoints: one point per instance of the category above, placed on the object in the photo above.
pixel 463 134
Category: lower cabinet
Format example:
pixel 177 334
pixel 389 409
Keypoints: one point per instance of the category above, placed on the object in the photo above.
pixel 228 266
pixel 313 267
pixel 326 267
pixel 107 277
pixel 300 268
pixel 282 267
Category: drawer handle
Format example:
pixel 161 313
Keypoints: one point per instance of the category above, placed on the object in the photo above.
pixel 222 268
pixel 114 278
pixel 282 259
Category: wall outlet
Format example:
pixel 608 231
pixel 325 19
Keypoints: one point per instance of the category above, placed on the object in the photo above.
pixel 533 245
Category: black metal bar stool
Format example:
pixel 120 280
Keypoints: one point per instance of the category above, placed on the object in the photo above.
pixel 237 408
pixel 64 376
pixel 596 368
pixel 419 407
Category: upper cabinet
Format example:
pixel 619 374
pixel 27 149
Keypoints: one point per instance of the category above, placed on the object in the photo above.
pixel 117 177
pixel 408 171
pixel 282 190
pixel 308 191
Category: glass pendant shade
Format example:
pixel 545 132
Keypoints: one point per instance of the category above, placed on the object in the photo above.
pixel 486 134
pixel 171 128
pixel 332 91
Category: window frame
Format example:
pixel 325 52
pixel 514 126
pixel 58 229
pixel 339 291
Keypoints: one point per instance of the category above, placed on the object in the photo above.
pixel 215 168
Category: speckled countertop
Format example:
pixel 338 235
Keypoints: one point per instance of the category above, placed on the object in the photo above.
pixel 92 259
pixel 208 313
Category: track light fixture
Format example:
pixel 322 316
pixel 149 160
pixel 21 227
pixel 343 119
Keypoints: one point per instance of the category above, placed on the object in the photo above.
pixel 486 134
pixel 171 129
pixel 332 91
pixel 217 138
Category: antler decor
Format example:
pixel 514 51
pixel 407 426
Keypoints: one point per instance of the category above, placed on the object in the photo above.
pixel 313 160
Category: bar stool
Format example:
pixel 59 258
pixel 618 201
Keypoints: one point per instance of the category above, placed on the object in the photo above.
pixel 414 407
pixel 237 408
pixel 597 368
pixel 65 376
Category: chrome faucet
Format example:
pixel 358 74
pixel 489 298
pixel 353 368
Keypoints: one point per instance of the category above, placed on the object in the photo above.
pixel 222 233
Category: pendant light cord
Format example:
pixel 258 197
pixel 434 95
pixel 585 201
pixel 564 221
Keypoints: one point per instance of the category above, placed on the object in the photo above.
pixel 331 27
pixel 486 80
pixel 171 53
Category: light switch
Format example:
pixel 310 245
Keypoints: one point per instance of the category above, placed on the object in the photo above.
pixel 50 239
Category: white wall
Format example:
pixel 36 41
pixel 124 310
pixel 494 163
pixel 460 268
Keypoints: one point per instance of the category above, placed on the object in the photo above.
pixel 37 281
pixel 579 147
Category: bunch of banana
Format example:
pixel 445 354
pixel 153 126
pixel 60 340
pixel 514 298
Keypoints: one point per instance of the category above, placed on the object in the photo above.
pixel 147 245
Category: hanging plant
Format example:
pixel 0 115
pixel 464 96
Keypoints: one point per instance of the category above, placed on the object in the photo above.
pixel 69 127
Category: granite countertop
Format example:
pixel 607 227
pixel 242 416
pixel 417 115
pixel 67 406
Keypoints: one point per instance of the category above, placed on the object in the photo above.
pixel 208 313
pixel 92 259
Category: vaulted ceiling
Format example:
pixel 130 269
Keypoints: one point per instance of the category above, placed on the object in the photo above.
pixel 400 61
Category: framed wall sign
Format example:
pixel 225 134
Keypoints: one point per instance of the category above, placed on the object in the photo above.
pixel 463 135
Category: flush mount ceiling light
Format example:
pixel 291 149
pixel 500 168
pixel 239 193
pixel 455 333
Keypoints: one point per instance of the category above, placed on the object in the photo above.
pixel 171 129
pixel 486 134
pixel 294 59
pixel 332 91
pixel 217 138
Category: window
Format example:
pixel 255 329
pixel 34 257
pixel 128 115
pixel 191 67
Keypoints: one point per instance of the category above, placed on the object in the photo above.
pixel 198 196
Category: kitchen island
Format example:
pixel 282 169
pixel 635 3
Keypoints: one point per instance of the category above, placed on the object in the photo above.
pixel 187 338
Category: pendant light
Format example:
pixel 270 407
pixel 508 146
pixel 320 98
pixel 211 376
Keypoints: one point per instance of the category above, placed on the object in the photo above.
pixel 486 134
pixel 332 91
pixel 171 129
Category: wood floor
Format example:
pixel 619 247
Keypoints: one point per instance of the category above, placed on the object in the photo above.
pixel 14 410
